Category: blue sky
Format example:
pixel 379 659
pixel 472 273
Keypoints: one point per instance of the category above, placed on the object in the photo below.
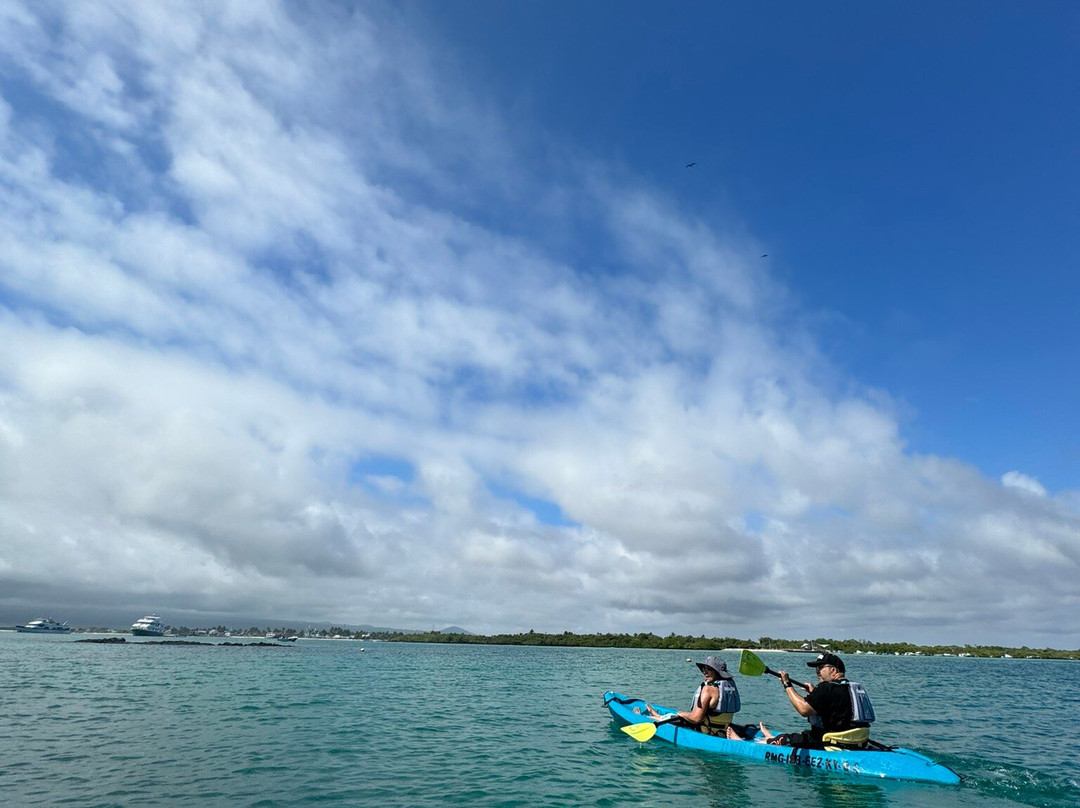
pixel 414 314
pixel 911 169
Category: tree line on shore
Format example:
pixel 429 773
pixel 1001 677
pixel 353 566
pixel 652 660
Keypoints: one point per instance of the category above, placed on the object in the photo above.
pixel 703 643
pixel 672 641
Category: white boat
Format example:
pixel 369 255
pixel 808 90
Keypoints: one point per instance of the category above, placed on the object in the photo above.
pixel 149 626
pixel 44 625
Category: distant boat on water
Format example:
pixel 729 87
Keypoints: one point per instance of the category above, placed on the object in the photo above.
pixel 149 626
pixel 44 625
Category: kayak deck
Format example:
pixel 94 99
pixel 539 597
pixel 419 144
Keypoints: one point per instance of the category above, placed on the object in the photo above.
pixel 896 763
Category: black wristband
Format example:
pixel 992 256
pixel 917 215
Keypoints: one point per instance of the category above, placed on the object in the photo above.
pixel 787 685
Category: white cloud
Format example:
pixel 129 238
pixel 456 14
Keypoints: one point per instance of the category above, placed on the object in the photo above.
pixel 1022 482
pixel 277 267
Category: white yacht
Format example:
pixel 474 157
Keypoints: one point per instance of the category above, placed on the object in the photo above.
pixel 149 626
pixel 44 625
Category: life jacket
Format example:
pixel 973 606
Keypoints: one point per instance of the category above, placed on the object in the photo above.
pixel 862 714
pixel 717 719
pixel 728 702
pixel 862 711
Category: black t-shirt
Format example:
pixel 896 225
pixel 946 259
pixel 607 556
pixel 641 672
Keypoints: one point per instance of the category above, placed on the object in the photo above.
pixel 832 702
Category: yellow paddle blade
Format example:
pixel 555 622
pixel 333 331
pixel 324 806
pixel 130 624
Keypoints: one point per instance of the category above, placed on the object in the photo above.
pixel 640 732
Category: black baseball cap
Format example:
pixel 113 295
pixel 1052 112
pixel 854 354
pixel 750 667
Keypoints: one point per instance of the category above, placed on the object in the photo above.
pixel 827 659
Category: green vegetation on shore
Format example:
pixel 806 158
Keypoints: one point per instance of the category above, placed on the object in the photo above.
pixel 702 643
pixel 642 640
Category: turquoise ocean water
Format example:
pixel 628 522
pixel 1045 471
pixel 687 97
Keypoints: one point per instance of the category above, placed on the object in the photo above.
pixel 327 723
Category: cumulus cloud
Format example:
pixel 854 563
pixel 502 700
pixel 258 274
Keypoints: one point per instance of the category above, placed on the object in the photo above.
pixel 273 345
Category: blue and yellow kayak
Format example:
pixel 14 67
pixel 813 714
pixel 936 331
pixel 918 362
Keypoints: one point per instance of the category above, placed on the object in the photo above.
pixel 894 763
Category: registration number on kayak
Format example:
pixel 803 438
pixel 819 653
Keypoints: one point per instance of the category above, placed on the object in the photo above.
pixel 799 757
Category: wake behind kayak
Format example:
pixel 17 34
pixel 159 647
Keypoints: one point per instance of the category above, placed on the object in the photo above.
pixel 894 763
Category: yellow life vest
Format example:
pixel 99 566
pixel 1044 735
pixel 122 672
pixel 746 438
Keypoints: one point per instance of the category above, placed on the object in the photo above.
pixel 716 722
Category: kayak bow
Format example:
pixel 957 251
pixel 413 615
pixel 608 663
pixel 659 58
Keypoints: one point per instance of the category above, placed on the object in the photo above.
pixel 895 763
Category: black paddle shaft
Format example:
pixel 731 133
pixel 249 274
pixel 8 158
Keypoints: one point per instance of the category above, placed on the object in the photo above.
pixel 804 686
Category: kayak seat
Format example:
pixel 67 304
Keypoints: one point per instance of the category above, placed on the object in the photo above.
pixel 849 739
pixel 716 724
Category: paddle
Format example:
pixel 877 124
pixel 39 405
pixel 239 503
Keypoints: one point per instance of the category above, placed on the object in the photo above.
pixel 750 664
pixel 644 731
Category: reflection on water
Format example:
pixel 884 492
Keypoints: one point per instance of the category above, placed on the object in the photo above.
pixel 726 783
pixel 837 792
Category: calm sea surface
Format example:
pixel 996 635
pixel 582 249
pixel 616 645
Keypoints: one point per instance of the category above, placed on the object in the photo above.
pixel 344 723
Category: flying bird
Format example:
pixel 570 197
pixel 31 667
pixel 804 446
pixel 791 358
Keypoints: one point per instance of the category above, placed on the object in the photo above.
pixel 691 165
pixel 764 255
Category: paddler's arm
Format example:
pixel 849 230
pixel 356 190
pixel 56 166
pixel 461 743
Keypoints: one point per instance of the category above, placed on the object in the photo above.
pixel 709 696
pixel 801 705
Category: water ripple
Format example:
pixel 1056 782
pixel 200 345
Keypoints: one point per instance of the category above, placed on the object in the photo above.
pixel 320 723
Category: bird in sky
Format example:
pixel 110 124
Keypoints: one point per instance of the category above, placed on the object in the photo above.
pixel 764 255
pixel 691 165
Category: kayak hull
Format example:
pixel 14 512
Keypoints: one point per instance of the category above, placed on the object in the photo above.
pixel 897 764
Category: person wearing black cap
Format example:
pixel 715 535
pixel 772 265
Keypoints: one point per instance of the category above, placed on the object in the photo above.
pixel 833 705
pixel 715 702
